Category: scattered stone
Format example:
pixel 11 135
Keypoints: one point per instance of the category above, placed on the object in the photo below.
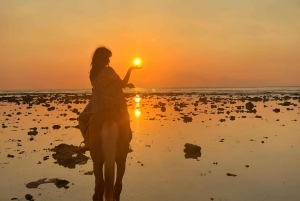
pixel 68 156
pixel 59 183
pixel 222 120
pixel 56 127
pixel 192 151
pixel 89 173
pixel 10 156
pixel 187 119
pixel 28 197
pixel 231 175
pixel 45 158
pixel 51 108
pixel 249 106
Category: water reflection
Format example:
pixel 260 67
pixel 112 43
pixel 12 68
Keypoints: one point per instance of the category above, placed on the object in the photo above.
pixel 137 112
pixel 137 98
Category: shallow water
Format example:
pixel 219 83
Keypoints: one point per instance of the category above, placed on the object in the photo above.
pixel 157 168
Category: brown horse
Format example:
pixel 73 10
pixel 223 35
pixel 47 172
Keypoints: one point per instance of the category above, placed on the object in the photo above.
pixel 109 144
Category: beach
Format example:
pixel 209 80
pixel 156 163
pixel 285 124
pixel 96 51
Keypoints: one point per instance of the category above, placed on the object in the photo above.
pixel 250 146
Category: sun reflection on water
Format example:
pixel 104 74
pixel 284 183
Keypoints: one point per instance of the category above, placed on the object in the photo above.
pixel 137 112
pixel 137 98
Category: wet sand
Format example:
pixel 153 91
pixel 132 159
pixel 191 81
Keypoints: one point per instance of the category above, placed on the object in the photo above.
pixel 250 146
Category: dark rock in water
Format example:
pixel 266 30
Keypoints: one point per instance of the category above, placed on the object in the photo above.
pixel 75 110
pixel 255 99
pixel 51 108
pixel 34 132
pixel 10 156
pixel 285 103
pixel 177 109
pixel 59 183
pixel 56 127
pixel 232 118
pixel 249 106
pixel 232 175
pixel 163 109
pixel 89 173
pixel 187 119
pixel 68 156
pixel 28 197
pixel 276 110
pixel 222 120
pixel 192 151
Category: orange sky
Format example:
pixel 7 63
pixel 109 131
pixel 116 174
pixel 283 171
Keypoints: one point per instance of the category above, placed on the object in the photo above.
pixel 47 45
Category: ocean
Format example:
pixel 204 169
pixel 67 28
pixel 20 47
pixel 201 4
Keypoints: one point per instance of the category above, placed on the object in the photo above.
pixel 197 90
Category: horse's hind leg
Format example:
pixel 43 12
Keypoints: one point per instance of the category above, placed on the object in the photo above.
pixel 121 165
pixel 99 182
pixel 97 157
pixel 118 184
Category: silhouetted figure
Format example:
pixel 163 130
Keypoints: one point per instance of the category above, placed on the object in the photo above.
pixel 105 125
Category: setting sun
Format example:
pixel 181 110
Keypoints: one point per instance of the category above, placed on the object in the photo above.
pixel 137 61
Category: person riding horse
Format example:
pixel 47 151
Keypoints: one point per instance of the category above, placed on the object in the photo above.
pixel 105 125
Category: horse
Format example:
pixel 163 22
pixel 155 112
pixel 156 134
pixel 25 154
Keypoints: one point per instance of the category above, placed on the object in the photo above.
pixel 108 144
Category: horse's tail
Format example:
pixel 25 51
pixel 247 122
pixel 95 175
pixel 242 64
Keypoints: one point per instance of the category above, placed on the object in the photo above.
pixel 109 144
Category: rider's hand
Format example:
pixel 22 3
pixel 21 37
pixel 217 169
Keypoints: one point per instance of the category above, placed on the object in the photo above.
pixel 135 67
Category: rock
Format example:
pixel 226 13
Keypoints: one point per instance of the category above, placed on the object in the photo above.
pixel 34 132
pixel 231 175
pixel 89 173
pixel 249 106
pixel 187 119
pixel 51 108
pixel 56 127
pixel 285 103
pixel 177 109
pixel 28 197
pixel 59 183
pixel 192 151
pixel 222 120
pixel 276 110
pixel 68 155
pixel 10 156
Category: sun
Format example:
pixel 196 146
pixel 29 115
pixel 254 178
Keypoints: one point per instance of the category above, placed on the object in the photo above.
pixel 137 61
